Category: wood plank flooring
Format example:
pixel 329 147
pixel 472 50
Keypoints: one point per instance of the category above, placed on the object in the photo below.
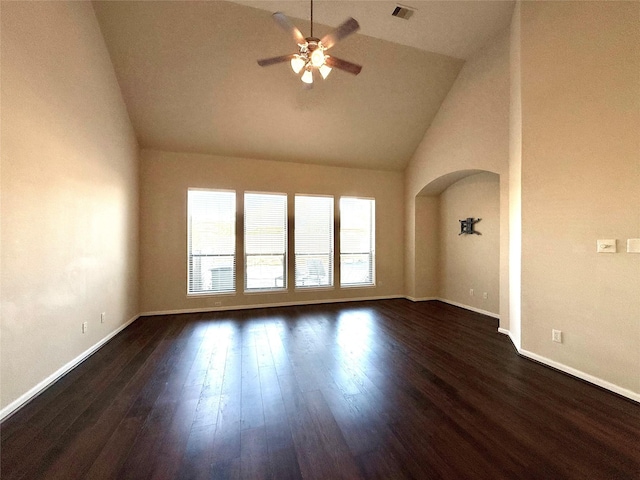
pixel 383 389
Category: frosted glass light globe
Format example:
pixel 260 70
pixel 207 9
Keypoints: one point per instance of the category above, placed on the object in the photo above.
pixel 297 63
pixel 317 57
pixel 307 77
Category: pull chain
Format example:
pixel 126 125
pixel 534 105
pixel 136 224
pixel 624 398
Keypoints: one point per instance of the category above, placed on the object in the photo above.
pixel 312 18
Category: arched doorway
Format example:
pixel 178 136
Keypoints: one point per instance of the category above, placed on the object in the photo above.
pixel 463 270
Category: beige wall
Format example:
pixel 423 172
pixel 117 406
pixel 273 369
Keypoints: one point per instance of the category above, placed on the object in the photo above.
pixel 69 192
pixel 471 261
pixel 581 182
pixel 165 179
pixel 471 129
pixel 469 134
pixel 427 247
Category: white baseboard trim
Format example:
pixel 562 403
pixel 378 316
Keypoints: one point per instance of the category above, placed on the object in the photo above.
pixel 574 372
pixel 267 305
pixel 44 384
pixel 455 304
pixel 421 299
pixel 506 332
pixel 582 375
pixel 468 307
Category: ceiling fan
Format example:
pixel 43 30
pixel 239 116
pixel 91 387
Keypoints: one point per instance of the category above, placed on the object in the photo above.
pixel 311 54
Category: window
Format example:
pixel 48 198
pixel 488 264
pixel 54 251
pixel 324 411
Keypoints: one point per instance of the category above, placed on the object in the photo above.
pixel 265 241
pixel 357 241
pixel 211 241
pixel 314 241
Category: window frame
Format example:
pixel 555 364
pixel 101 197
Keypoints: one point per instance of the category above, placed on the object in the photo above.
pixel 332 250
pixel 372 248
pixel 190 255
pixel 285 254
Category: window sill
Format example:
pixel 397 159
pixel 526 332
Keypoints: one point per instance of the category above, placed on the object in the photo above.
pixel 311 288
pixel 258 291
pixel 211 294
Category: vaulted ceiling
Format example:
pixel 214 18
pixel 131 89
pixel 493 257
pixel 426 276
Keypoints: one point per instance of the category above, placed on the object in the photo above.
pixel 189 77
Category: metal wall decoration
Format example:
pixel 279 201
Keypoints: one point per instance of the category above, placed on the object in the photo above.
pixel 467 226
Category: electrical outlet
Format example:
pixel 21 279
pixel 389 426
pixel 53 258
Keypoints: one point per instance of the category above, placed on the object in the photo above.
pixel 103 315
pixel 85 327
pixel 471 292
pixel 556 336
pixel 485 295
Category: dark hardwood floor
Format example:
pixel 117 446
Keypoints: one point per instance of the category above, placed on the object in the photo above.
pixel 385 389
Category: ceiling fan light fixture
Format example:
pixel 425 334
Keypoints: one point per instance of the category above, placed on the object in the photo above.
pixel 297 63
pixel 317 57
pixel 324 70
pixel 310 55
pixel 307 76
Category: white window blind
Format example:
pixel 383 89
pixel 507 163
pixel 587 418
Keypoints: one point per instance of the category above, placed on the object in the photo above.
pixel 357 241
pixel 265 241
pixel 314 241
pixel 211 241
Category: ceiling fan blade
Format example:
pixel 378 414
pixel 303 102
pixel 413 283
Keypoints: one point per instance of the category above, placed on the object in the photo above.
pixel 265 62
pixel 345 29
pixel 286 25
pixel 342 65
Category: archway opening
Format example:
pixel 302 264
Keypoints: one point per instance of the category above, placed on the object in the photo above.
pixel 461 269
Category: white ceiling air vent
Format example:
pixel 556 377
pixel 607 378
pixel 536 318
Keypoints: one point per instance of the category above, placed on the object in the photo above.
pixel 402 12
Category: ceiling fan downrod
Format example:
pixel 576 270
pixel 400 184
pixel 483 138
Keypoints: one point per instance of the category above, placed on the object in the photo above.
pixel 311 18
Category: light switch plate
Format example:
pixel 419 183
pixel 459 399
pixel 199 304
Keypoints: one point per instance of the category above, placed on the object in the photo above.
pixel 607 246
pixel 633 245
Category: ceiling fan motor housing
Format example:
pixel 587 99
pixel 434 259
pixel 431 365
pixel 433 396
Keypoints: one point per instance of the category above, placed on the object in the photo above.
pixel 313 43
